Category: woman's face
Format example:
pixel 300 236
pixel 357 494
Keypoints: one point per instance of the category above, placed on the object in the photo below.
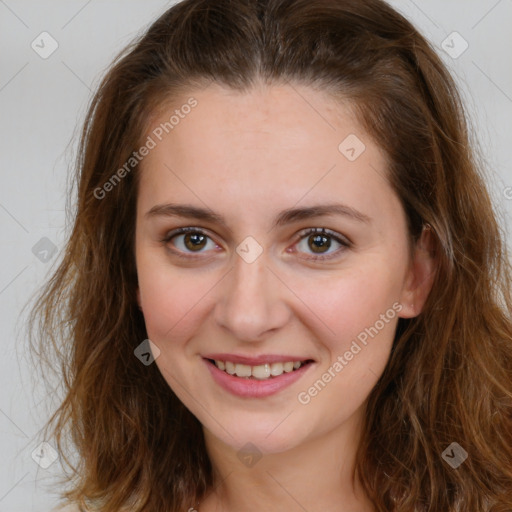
pixel 253 176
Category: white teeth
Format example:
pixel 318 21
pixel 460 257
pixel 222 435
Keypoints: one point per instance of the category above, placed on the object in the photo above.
pixel 288 367
pixel 276 369
pixel 242 370
pixel 260 372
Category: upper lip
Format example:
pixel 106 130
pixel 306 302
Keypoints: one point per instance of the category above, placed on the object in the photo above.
pixel 255 361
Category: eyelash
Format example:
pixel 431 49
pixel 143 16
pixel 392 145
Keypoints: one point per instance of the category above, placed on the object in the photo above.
pixel 344 242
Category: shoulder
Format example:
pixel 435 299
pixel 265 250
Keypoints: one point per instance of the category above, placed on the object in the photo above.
pixel 67 508
pixel 74 508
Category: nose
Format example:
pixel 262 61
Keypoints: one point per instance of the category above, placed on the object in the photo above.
pixel 251 301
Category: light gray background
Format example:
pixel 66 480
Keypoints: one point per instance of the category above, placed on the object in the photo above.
pixel 42 104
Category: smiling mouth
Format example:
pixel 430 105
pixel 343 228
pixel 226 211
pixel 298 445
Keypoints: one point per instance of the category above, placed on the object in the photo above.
pixel 260 372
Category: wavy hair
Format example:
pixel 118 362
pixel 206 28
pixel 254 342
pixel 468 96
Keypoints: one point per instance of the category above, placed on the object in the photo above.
pixel 448 378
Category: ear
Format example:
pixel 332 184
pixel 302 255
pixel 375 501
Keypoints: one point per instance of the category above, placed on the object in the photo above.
pixel 420 275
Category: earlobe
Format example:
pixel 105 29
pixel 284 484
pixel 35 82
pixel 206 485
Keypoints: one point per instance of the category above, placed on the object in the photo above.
pixel 420 277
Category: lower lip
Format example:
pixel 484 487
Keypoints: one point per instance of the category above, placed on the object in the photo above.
pixel 254 388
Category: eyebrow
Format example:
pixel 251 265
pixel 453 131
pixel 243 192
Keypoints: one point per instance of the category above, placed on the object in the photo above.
pixel 287 216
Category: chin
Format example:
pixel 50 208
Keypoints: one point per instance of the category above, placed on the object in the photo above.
pixel 265 438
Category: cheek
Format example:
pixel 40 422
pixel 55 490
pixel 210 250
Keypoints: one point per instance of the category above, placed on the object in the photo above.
pixel 349 303
pixel 166 297
pixel 356 318
pixel 175 301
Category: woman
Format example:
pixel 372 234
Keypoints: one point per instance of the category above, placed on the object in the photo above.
pixel 285 287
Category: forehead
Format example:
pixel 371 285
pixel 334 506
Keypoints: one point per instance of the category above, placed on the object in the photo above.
pixel 286 116
pixel 281 142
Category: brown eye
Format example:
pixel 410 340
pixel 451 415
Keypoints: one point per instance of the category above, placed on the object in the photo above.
pixel 319 241
pixel 194 241
pixel 188 240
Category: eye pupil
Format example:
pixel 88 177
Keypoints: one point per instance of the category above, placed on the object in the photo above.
pixel 319 242
pixel 197 240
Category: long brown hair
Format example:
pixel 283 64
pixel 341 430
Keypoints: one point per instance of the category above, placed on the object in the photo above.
pixel 449 375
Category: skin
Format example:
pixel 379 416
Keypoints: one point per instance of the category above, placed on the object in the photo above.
pixel 248 156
